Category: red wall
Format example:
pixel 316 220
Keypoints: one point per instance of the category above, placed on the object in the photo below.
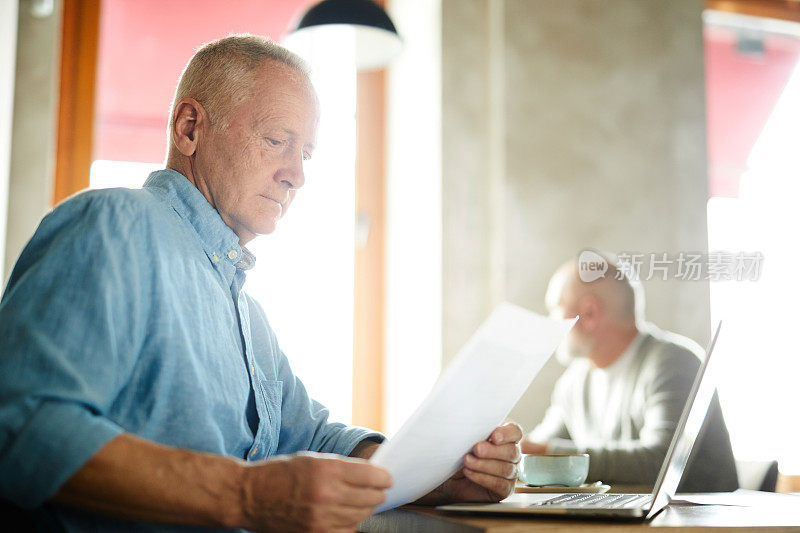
pixel 741 91
pixel 144 45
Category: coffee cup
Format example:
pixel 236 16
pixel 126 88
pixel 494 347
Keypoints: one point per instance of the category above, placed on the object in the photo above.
pixel 557 470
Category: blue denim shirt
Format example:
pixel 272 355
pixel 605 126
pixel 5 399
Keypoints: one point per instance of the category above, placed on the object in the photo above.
pixel 125 313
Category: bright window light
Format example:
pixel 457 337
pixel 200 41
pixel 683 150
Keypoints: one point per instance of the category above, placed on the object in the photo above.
pixel 106 174
pixel 758 382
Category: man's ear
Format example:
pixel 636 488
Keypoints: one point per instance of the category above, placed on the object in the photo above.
pixel 188 120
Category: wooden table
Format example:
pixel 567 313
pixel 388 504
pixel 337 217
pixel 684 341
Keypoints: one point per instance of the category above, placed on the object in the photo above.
pixel 754 511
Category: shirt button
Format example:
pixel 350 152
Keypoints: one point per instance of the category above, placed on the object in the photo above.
pixel 215 258
pixel 232 254
pixel 252 369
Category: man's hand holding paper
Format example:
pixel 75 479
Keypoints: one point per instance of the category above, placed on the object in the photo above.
pixel 433 458
pixel 489 473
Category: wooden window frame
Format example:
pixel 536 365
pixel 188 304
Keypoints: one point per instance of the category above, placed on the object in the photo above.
pixel 369 294
pixel 79 42
pixel 774 9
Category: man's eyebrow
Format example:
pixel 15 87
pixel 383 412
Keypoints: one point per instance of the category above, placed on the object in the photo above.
pixel 288 131
pixel 293 133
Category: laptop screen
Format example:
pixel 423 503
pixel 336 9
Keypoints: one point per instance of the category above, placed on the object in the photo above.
pixel 692 418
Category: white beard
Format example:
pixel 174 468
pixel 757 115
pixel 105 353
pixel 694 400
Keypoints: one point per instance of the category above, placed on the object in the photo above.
pixel 572 348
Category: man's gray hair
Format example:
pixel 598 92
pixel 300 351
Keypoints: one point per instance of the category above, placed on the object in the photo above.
pixel 220 72
pixel 623 293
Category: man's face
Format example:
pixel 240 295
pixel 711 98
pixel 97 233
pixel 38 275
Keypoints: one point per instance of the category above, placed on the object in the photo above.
pixel 575 344
pixel 561 303
pixel 250 165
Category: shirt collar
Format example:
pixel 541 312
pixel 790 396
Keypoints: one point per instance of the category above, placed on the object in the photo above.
pixel 627 356
pixel 220 243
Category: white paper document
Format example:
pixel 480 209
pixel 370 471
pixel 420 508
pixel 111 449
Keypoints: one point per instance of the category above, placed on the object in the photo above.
pixel 474 394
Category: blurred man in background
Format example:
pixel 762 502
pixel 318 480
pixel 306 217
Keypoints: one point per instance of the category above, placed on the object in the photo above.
pixel 625 386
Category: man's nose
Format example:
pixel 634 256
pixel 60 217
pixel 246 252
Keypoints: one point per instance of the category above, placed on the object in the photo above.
pixel 293 174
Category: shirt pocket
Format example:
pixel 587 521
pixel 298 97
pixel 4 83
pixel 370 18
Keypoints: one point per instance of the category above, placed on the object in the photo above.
pixel 272 391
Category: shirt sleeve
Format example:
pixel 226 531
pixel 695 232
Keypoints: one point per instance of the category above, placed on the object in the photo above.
pixel 668 378
pixel 68 340
pixel 304 421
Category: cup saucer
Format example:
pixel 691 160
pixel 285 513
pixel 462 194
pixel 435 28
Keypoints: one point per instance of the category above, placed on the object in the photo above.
pixel 595 488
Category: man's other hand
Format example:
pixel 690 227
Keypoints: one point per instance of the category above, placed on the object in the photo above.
pixel 489 473
pixel 311 492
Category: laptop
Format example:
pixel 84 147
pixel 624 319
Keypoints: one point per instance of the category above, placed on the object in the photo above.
pixel 627 506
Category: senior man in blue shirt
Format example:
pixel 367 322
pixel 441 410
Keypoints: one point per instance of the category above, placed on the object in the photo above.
pixel 139 384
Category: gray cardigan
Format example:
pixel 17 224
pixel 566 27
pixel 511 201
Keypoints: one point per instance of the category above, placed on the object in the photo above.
pixel 656 386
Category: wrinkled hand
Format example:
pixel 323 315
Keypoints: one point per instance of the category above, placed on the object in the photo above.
pixel 489 473
pixel 312 492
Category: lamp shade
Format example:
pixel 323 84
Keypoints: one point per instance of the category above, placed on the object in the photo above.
pixel 363 22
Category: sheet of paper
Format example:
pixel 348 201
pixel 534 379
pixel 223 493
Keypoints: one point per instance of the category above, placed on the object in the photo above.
pixel 473 395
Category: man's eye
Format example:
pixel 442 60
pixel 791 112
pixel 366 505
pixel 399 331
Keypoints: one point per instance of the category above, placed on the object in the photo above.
pixel 274 142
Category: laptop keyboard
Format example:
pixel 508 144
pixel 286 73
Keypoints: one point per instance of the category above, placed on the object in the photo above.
pixel 605 501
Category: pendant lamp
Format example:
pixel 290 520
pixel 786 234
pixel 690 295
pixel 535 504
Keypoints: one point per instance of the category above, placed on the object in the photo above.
pixel 363 23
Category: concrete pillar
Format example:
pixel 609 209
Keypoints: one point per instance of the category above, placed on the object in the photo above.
pixel 33 143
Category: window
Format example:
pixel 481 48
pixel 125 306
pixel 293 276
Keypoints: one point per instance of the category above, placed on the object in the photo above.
pixel 753 77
